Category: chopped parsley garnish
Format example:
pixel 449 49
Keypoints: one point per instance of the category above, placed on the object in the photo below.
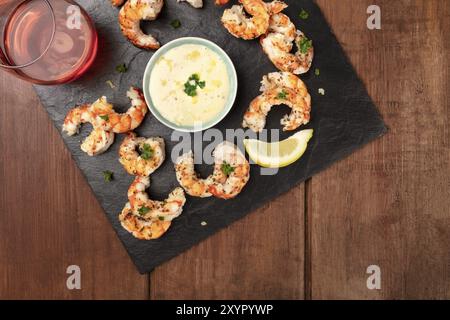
pixel 227 168
pixel 161 218
pixel 143 210
pixel 201 84
pixel 303 14
pixel 108 176
pixel 175 24
pixel 195 77
pixel 317 72
pixel 146 151
pixel 305 44
pixel 122 68
pixel 190 87
pixel 282 95
pixel 105 117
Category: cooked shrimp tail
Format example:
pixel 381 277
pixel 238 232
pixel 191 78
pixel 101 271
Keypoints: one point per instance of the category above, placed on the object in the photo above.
pixel 240 26
pixel 110 120
pixel 234 168
pixel 278 44
pixel 231 173
pixel 276 6
pixel 142 205
pixel 140 227
pixel 75 118
pixel 130 17
pixel 98 141
pixel 279 88
pixel 188 178
pixel 141 156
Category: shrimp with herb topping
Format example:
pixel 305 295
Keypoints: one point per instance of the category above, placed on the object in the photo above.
pixel 110 120
pixel 141 204
pixel 279 88
pixel 98 141
pixel 231 173
pixel 278 44
pixel 141 156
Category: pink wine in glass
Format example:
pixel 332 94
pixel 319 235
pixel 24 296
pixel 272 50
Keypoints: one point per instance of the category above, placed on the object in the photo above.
pixel 28 33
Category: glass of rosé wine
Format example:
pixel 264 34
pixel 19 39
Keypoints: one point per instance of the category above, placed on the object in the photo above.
pixel 46 42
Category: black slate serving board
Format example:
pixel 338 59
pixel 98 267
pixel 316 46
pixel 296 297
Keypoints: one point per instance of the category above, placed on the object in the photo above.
pixel 343 119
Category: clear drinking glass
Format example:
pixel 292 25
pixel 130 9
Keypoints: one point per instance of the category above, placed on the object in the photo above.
pixel 46 41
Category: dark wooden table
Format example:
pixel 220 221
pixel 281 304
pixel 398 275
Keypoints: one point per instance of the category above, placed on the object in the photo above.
pixel 387 205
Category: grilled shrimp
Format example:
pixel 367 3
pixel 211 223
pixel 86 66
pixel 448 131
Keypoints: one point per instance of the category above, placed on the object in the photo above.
pixel 195 3
pixel 231 173
pixel 130 17
pixel 278 43
pixel 237 23
pixel 279 88
pixel 235 168
pixel 166 210
pixel 140 227
pixel 275 7
pixel 109 120
pixel 141 156
pixel 98 141
pixel 188 179
pixel 117 3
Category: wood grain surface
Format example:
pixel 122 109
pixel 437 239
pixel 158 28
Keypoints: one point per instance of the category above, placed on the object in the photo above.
pixel 49 218
pixel 386 205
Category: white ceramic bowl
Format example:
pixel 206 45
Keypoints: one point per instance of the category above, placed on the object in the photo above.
pixel 233 82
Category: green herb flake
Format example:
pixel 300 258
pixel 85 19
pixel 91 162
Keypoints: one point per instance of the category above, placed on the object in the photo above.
pixel 190 87
pixel 227 168
pixel 201 84
pixel 105 117
pixel 175 23
pixel 303 14
pixel 161 218
pixel 317 72
pixel 108 176
pixel 122 68
pixel 195 77
pixel 305 44
pixel 143 210
pixel 146 151
pixel 282 95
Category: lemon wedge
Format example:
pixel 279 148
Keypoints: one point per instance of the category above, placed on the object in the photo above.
pixel 278 154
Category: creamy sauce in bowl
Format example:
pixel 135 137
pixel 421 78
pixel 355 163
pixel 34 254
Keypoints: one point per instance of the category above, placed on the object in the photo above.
pixel 189 85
